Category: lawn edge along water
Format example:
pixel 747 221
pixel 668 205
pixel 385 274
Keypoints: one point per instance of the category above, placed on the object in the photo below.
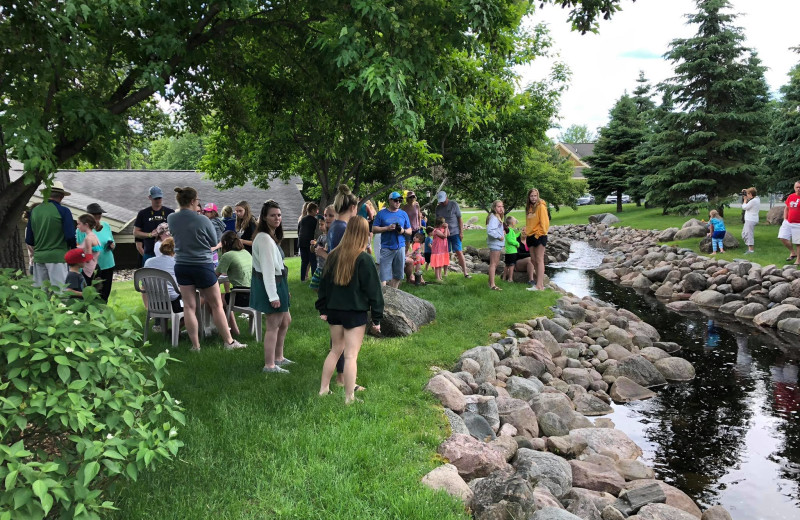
pixel 260 446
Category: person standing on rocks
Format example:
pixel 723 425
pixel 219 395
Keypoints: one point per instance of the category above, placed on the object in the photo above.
pixel 751 206
pixel 495 239
pixel 51 233
pixel 348 290
pixel 452 214
pixel 537 224
pixel 791 214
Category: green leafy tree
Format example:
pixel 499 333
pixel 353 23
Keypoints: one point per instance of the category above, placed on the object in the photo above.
pixel 783 154
pixel 711 144
pixel 577 134
pixel 181 152
pixel 615 152
pixel 73 70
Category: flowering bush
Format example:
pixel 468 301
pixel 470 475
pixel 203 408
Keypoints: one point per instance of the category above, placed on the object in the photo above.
pixel 80 403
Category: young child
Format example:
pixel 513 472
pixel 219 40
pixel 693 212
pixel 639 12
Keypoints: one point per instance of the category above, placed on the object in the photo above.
pixel 512 245
pixel 417 259
pixel 76 259
pixel 440 257
pixel 716 231
pixel 428 246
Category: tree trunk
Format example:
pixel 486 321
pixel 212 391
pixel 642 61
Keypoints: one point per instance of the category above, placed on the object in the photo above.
pixel 13 200
pixel 619 200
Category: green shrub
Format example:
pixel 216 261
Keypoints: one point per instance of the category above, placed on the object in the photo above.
pixel 80 403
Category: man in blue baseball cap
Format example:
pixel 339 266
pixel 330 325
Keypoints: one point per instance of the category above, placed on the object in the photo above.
pixel 394 225
pixel 147 220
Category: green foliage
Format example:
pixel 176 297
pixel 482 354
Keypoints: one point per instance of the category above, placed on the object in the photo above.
pixel 783 153
pixel 614 155
pixel 646 108
pixel 182 152
pixel 712 143
pixel 80 404
pixel 577 134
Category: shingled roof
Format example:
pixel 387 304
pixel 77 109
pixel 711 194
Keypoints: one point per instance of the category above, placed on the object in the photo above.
pixel 122 193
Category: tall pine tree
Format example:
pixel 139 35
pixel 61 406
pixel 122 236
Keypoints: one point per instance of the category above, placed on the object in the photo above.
pixel 783 156
pixel 642 98
pixel 615 151
pixel 712 143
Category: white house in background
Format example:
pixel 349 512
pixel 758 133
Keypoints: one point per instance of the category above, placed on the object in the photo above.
pixel 575 153
pixel 123 193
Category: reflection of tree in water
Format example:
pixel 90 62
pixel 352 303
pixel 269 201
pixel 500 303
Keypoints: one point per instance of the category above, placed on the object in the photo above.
pixel 780 375
pixel 699 426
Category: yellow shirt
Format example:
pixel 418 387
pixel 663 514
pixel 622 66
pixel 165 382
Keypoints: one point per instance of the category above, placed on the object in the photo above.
pixel 537 223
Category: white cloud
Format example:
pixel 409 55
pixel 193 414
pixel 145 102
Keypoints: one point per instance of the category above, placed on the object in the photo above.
pixel 606 64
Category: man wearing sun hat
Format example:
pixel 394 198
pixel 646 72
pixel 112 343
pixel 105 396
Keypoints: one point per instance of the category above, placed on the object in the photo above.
pixel 147 220
pixel 393 225
pixel 51 233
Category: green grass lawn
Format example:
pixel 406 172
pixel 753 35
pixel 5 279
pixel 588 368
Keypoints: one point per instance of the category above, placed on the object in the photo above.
pixel 768 249
pixel 262 446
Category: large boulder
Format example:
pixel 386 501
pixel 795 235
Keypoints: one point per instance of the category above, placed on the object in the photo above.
pixel 548 470
pixel 519 414
pixel 624 391
pixel 472 457
pixel 553 513
pixel 486 358
pixel 675 369
pixel 606 441
pixel 447 393
pixel 554 402
pixel 447 479
pixel 708 298
pixel 640 371
pixel 663 512
pixel 690 232
pixel 729 242
pixel 591 405
pixel 750 311
pixel 524 366
pixel 478 427
pixel 597 477
pixel 775 216
pixel 771 317
pixel 404 313
pixel 694 282
pixel 667 235
pixel 524 388
pixel 790 325
pixel 503 494
pixel 603 218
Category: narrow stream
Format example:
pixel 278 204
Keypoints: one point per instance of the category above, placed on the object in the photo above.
pixel 732 435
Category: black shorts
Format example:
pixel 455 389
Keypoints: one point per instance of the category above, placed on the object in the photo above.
pixel 427 257
pixel 242 299
pixel 347 319
pixel 177 305
pixel 511 258
pixel 533 241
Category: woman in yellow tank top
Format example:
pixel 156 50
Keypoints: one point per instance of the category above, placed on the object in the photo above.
pixel 537 223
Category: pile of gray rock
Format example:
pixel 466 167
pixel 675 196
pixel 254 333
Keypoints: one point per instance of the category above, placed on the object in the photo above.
pixel 767 296
pixel 522 445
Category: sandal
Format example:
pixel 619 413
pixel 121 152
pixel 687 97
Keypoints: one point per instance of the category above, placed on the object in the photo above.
pixel 495 288
pixel 467 276
pixel 329 392
pixel 791 258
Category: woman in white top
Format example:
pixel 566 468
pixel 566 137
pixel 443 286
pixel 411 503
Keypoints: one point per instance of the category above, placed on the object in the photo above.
pixel 751 206
pixel 269 289
pixel 496 239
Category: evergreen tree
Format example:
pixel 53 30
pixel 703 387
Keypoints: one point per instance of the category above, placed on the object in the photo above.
pixel 783 157
pixel 642 98
pixel 615 152
pixel 712 143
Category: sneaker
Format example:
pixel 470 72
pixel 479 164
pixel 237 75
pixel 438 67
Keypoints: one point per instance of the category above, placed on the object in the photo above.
pixel 283 362
pixel 274 370
pixel 157 329
pixel 234 345
pixel 749 252
pixel 532 288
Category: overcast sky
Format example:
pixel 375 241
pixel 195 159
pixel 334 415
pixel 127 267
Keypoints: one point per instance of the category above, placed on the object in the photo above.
pixel 606 64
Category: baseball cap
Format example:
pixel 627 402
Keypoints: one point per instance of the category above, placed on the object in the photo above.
pixel 210 207
pixel 395 195
pixel 441 196
pixel 76 256
pixel 410 194
pixel 156 193
pixel 94 209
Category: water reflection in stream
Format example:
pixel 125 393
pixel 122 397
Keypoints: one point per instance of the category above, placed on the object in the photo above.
pixel 732 435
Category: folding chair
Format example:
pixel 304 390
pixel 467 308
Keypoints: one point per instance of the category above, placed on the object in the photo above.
pixel 154 283
pixel 253 315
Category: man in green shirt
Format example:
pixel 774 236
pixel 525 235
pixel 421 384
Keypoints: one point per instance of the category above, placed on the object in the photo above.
pixel 51 233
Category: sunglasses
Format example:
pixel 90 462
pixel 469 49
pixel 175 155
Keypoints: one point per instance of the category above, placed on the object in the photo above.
pixel 398 200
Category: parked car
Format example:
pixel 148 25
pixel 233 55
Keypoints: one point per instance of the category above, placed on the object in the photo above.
pixel 699 198
pixel 612 199
pixel 585 200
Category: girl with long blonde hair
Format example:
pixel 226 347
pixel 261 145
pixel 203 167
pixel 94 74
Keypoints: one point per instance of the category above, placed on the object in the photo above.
pixel 245 225
pixel 537 224
pixel 349 288
pixel 495 239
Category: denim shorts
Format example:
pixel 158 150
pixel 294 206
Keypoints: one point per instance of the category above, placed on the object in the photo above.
pixel 200 275
pixel 454 243
pixel 393 262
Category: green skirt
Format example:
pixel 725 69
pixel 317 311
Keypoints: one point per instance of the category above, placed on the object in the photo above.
pixel 258 294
